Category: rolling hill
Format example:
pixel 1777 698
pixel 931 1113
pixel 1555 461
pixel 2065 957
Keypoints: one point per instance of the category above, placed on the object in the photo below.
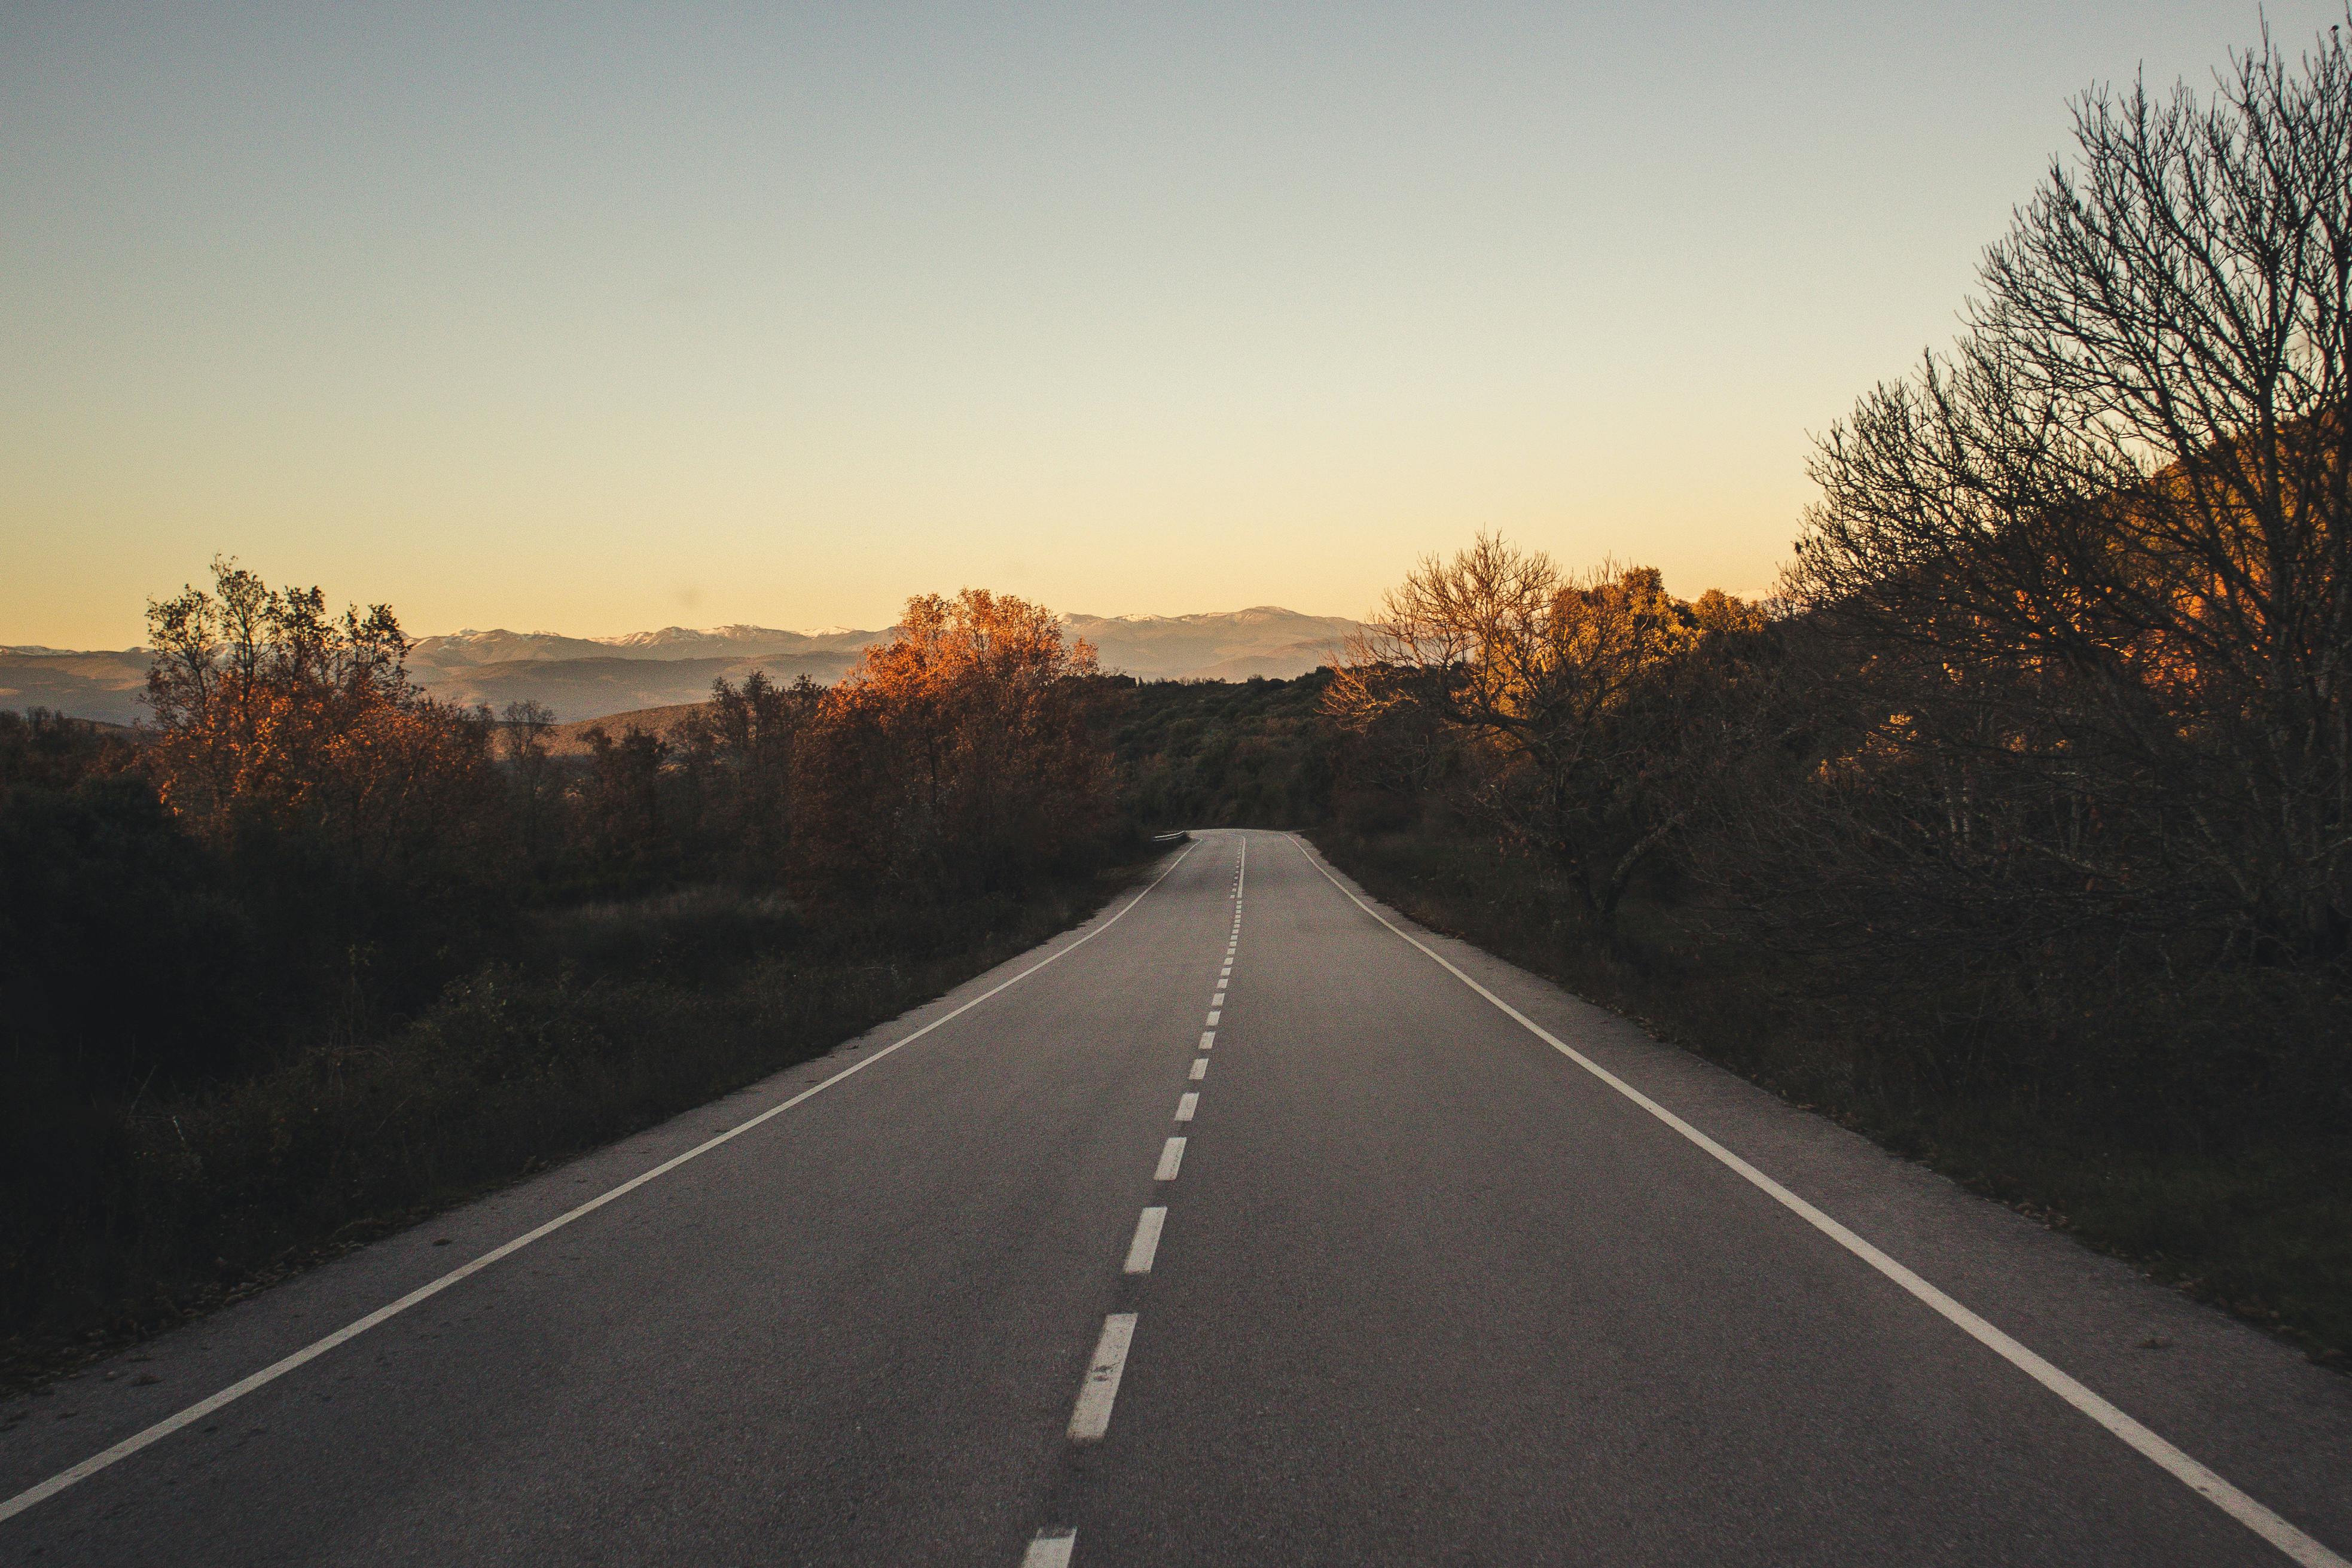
pixel 589 678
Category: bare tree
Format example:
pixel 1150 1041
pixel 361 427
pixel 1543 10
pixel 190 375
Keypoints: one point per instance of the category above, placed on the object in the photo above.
pixel 2093 563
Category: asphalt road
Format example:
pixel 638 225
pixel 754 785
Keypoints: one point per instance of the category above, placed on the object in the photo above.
pixel 1428 1286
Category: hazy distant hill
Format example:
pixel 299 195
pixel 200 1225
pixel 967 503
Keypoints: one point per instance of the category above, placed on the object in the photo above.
pixel 587 677
pixel 1230 645
pixel 465 649
pixel 591 688
pixel 101 686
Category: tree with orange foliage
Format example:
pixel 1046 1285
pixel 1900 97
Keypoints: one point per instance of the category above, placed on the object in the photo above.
pixel 1572 699
pixel 958 751
pixel 271 713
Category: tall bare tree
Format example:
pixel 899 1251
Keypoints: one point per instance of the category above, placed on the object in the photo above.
pixel 2093 563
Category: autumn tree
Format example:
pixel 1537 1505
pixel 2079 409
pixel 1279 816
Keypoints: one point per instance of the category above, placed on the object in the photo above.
pixel 271 712
pixel 1569 694
pixel 958 751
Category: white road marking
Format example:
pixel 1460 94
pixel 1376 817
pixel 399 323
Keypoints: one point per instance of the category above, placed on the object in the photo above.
pixel 351 1331
pixel 1200 1068
pixel 1171 1159
pixel 1212 1019
pixel 1227 969
pixel 1186 1106
pixel 1218 1000
pixel 1091 1419
pixel 1208 1038
pixel 2239 1506
pixel 1051 1549
pixel 1146 1245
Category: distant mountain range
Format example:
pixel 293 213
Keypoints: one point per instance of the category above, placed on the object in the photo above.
pixel 470 648
pixel 588 677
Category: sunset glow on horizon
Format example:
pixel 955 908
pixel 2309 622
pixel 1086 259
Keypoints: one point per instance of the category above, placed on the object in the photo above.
pixel 595 320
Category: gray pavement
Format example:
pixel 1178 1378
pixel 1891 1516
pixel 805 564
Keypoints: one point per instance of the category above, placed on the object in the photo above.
pixel 1427 1290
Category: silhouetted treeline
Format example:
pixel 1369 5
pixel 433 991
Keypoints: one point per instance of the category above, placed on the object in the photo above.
pixel 305 842
pixel 2022 813
pixel 315 946
pixel 1252 753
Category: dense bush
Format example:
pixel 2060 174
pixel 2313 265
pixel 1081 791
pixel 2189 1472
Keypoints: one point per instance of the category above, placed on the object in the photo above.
pixel 1216 753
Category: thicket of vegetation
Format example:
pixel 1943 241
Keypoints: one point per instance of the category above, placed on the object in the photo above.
pixel 1254 753
pixel 2019 826
pixel 316 949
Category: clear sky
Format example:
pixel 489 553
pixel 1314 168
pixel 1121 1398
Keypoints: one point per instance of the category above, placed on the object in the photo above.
pixel 598 319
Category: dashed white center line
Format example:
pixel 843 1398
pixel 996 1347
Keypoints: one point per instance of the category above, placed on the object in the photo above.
pixel 1091 1419
pixel 1146 1245
pixel 1200 1068
pixel 1208 1038
pixel 1227 969
pixel 1212 1019
pixel 1218 1000
pixel 1052 1549
pixel 1186 1106
pixel 1172 1158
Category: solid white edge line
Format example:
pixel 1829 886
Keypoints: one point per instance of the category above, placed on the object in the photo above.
pixel 1091 1419
pixel 1146 1245
pixel 317 1348
pixel 1171 1160
pixel 2254 1515
pixel 1050 1549
pixel 1186 1106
